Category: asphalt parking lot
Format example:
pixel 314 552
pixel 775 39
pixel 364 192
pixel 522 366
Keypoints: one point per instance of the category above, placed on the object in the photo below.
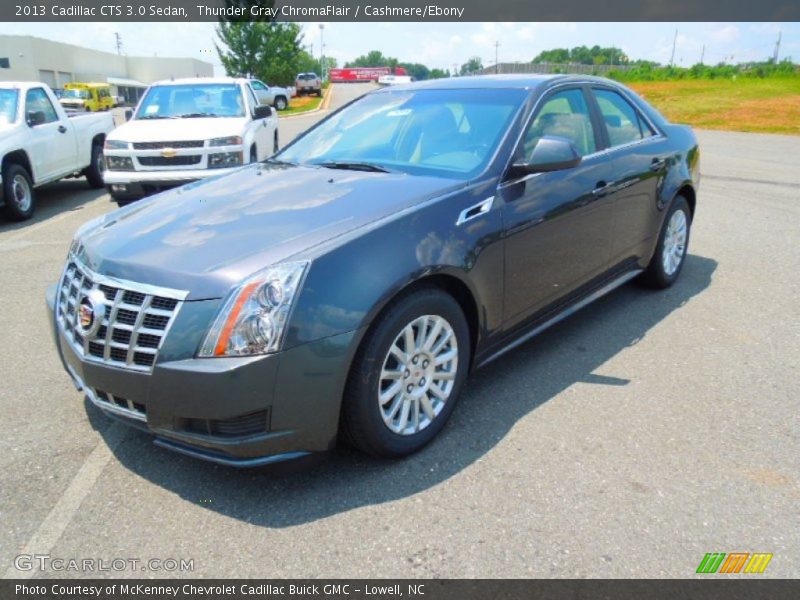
pixel 628 441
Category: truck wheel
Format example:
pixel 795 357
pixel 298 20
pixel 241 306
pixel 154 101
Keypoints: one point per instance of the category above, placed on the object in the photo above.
pixel 275 145
pixel 253 154
pixel 319 92
pixel 121 200
pixel 280 103
pixel 94 172
pixel 18 193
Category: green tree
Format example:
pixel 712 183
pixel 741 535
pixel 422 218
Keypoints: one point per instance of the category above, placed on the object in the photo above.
pixel 266 50
pixel 472 66
pixel 374 58
pixel 416 70
pixel 439 74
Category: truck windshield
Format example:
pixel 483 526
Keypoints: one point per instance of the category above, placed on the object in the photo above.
pixel 82 94
pixel 192 101
pixel 8 106
pixel 447 133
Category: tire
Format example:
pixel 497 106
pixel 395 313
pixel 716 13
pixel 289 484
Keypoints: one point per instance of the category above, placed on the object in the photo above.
pixel 281 103
pixel 319 93
pixel 397 415
pixel 275 145
pixel 673 242
pixel 94 172
pixel 253 154
pixel 18 193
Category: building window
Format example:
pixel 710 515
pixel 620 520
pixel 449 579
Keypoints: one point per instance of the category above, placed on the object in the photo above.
pixel 4 63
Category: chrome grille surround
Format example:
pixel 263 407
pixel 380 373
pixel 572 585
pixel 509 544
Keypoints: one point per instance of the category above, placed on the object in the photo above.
pixel 136 319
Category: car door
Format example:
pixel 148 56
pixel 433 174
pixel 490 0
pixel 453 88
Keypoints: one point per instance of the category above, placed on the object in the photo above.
pixel 52 142
pixel 637 153
pixel 262 132
pixel 262 91
pixel 558 225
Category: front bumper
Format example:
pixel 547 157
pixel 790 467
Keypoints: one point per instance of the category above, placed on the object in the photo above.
pixel 135 184
pixel 242 412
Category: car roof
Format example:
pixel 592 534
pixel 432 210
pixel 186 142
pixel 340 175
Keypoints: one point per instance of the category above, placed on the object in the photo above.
pixel 200 80
pixel 522 81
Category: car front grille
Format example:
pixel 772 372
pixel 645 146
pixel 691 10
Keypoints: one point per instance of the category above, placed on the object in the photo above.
pixel 160 145
pixel 170 161
pixel 134 324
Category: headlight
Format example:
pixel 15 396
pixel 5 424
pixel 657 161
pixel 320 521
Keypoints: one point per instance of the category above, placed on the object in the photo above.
pixel 233 140
pixel 222 160
pixel 254 316
pixel 116 145
pixel 119 163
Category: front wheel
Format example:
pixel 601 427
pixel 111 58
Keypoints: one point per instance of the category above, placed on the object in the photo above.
pixel 18 193
pixel 94 172
pixel 407 375
pixel 673 242
pixel 280 103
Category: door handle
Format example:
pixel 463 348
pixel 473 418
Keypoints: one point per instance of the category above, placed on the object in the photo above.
pixel 62 129
pixel 602 188
pixel 658 164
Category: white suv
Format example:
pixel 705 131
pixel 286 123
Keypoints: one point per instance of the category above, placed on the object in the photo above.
pixel 184 130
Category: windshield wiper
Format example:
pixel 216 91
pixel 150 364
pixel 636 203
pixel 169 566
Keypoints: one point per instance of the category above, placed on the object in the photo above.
pixel 196 115
pixel 155 117
pixel 354 166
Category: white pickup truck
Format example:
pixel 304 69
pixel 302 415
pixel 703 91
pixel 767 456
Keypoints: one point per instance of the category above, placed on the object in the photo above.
pixel 39 143
pixel 185 130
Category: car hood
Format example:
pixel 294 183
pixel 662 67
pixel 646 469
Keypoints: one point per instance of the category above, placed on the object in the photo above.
pixel 207 236
pixel 168 130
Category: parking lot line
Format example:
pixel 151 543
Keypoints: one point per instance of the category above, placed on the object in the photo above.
pixel 57 520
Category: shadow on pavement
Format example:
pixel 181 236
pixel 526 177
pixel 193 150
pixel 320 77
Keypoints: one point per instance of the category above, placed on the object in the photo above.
pixel 53 199
pixel 494 399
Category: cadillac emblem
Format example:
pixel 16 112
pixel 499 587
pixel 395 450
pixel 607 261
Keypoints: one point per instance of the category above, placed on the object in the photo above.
pixel 91 310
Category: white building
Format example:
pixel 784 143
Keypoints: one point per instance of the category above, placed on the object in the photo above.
pixel 29 58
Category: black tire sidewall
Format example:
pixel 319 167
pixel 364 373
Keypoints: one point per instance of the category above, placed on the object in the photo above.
pixel 11 209
pixel 362 417
pixel 655 272
pixel 94 175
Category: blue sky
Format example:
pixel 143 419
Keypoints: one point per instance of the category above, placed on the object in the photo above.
pixel 445 44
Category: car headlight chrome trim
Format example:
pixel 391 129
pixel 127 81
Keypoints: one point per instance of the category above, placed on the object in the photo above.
pixel 254 316
pixel 116 145
pixel 233 140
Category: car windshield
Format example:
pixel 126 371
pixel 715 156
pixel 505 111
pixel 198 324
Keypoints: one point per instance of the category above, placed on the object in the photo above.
pixel 8 105
pixel 448 133
pixel 82 94
pixel 192 101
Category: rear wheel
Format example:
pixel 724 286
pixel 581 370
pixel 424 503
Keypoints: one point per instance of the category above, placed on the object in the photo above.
pixel 18 193
pixel 94 172
pixel 673 242
pixel 407 375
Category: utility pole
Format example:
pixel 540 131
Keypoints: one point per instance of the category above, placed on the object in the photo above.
pixel 777 48
pixel 322 50
pixel 496 64
pixel 703 54
pixel 118 39
pixel 455 69
pixel 674 42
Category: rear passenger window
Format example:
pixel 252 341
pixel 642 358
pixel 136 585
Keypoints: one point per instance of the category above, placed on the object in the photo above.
pixel 564 114
pixel 622 121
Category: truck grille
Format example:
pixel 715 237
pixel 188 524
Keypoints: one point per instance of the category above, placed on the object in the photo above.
pixel 170 161
pixel 134 324
pixel 160 145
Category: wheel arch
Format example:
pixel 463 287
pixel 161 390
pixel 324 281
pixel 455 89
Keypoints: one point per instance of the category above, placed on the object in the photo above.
pixel 19 157
pixel 688 192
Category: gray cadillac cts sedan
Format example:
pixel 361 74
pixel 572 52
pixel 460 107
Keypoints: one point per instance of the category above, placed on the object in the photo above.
pixel 348 285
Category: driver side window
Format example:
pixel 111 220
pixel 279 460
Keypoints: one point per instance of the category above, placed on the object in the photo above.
pixel 36 100
pixel 565 115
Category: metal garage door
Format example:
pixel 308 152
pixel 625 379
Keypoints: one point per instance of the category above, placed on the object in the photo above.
pixel 48 77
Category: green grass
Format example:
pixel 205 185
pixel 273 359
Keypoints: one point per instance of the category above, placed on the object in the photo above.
pixel 301 104
pixel 770 105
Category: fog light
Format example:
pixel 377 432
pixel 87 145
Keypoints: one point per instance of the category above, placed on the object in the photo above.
pixel 119 163
pixel 118 187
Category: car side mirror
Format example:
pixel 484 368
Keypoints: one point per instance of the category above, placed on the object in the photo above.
pixel 262 111
pixel 550 154
pixel 36 117
pixel 128 114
